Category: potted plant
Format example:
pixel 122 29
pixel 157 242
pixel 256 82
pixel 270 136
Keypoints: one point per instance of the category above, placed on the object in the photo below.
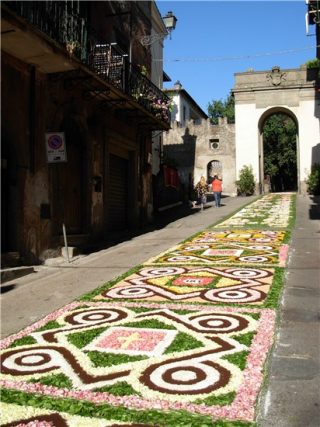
pixel 313 69
pixel 246 183
pixel 313 180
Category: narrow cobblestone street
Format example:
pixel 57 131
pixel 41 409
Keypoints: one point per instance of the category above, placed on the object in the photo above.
pixel 180 332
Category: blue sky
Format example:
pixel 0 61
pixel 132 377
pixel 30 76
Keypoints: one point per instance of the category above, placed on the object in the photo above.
pixel 215 39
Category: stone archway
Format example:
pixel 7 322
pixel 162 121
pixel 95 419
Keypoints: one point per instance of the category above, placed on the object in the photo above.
pixel 213 167
pixel 278 182
pixel 258 93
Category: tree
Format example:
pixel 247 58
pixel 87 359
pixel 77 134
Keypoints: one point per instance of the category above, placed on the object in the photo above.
pixel 219 108
pixel 279 151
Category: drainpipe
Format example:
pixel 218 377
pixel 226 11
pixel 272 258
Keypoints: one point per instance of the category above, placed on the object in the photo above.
pixel 32 117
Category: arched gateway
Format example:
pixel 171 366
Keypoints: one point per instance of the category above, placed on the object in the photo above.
pixel 260 94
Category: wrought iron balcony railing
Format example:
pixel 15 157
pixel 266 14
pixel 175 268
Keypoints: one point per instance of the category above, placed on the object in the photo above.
pixel 61 21
pixel 149 95
pixel 111 65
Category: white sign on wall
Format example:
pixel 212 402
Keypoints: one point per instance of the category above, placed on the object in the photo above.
pixel 56 147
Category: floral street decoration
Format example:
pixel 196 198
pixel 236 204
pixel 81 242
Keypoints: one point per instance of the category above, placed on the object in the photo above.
pixel 28 416
pixel 181 340
pixel 223 254
pixel 240 236
pixel 176 359
pixel 214 285
pixel 272 211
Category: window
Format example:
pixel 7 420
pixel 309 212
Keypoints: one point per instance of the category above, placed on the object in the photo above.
pixel 214 144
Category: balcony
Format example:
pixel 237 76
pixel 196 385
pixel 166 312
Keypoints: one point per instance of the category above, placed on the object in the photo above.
pixel 109 63
pixel 56 37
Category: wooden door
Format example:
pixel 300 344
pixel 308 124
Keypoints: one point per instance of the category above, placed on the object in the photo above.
pixel 69 185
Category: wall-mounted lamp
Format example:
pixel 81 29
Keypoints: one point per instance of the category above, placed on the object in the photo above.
pixel 170 22
pixel 313 13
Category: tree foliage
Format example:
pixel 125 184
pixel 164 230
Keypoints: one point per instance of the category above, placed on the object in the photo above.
pixel 219 108
pixel 279 151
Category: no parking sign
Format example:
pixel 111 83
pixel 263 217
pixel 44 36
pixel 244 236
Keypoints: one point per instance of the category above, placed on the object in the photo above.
pixel 56 147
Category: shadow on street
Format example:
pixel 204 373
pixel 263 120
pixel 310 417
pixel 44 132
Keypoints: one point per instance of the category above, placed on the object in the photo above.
pixel 161 220
pixel 6 288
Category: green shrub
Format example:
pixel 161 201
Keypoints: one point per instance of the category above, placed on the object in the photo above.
pixel 313 63
pixel 246 183
pixel 313 69
pixel 313 180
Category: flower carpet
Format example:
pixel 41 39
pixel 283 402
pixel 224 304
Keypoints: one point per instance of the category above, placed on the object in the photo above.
pixel 272 210
pixel 202 251
pixel 181 340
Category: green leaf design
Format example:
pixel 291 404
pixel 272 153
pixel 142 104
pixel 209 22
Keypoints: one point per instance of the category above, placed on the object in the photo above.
pixel 109 359
pixel 149 323
pixel 225 399
pixel 23 341
pixel 245 339
pixel 120 413
pixel 273 297
pixel 81 339
pixel 183 342
pixel 52 324
pixel 56 380
pixel 238 359
pixel 119 389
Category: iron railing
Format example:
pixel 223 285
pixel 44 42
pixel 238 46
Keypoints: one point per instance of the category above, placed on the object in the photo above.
pixel 111 64
pixel 148 95
pixel 62 22
pixel 59 20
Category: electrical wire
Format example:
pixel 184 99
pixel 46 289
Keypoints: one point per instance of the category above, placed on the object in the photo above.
pixel 232 58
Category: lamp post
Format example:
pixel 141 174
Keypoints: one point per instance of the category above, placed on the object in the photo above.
pixel 313 18
pixel 170 22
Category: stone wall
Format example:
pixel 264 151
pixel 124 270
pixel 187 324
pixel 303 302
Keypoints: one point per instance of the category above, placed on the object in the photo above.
pixel 195 146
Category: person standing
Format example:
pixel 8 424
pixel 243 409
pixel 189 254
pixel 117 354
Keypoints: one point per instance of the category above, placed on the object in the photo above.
pixel 217 190
pixel 202 189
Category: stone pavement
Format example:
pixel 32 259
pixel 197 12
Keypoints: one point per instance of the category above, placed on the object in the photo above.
pixel 292 397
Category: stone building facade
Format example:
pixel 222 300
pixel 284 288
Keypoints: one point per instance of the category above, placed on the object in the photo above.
pixel 197 146
pixel 90 93
pixel 201 148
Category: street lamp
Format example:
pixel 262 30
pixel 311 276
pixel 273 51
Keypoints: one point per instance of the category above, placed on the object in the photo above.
pixel 170 23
